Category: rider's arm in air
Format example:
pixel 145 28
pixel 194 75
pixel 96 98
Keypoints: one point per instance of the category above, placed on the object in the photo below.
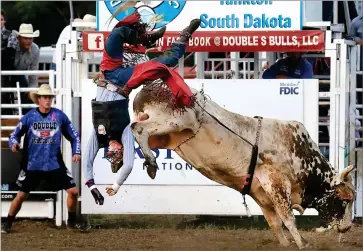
pixel 92 150
pixel 128 142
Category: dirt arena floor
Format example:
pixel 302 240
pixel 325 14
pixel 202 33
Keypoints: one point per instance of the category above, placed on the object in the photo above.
pixel 117 232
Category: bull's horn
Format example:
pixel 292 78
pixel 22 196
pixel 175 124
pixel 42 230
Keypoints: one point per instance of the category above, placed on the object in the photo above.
pixel 344 174
pixel 299 208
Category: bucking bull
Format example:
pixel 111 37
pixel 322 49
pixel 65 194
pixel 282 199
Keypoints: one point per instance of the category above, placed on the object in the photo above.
pixel 290 172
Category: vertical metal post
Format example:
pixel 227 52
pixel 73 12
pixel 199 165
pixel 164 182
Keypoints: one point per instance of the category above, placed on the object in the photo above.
pixel 235 64
pixel 333 101
pixel 60 55
pixel 343 105
pixel 72 17
pixel 256 65
pixel 352 118
pixel 19 99
pixel 335 12
pixel 347 14
pixel 200 64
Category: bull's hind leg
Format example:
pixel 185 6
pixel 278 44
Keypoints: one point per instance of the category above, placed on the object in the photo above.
pixel 278 188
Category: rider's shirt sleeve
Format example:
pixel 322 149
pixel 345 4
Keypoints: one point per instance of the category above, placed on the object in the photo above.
pixel 91 153
pixel 128 142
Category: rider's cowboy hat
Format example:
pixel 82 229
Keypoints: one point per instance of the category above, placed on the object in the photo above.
pixel 26 30
pixel 44 90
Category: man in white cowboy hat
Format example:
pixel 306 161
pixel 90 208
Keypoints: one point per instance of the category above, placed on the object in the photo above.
pixel 42 158
pixel 27 58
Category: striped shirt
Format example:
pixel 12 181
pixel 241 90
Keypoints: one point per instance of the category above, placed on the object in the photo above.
pixel 127 140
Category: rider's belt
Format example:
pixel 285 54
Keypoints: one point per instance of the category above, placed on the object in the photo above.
pixel 100 81
pixel 109 120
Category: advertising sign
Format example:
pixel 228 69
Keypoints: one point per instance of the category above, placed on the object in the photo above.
pixel 215 15
pixel 280 99
pixel 228 41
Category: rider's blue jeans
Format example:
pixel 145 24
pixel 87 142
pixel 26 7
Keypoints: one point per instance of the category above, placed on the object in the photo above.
pixel 114 48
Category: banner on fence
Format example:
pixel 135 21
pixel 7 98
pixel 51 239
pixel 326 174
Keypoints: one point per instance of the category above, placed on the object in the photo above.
pixel 228 41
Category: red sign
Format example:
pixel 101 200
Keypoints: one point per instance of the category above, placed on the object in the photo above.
pixel 229 41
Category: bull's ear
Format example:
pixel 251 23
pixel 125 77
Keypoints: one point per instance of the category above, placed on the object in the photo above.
pixel 344 176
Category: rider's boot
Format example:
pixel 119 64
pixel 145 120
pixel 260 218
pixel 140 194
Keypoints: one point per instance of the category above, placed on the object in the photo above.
pixel 149 39
pixel 187 32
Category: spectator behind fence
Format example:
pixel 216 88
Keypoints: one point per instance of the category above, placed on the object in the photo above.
pixel 9 43
pixel 27 58
pixel 293 66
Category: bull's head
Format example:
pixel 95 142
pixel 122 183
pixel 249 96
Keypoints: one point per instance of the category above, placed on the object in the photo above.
pixel 336 206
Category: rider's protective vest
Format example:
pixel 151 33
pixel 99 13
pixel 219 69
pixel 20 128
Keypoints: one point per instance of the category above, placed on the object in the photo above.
pixel 109 120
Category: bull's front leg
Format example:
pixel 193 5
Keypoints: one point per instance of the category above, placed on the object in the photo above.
pixel 151 130
pixel 142 135
pixel 278 189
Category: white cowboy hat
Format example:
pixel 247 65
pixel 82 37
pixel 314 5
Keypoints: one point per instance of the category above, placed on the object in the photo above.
pixel 26 30
pixel 44 90
pixel 86 18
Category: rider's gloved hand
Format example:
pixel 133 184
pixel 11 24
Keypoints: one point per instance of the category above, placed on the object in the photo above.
pixel 112 190
pixel 95 192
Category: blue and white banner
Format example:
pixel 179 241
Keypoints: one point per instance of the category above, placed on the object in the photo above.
pixel 215 15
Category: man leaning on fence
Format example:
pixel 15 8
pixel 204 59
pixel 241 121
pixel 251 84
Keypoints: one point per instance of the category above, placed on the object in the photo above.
pixel 42 158
pixel 27 59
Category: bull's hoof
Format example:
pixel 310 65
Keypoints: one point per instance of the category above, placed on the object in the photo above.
pixel 304 244
pixel 151 169
pixel 284 243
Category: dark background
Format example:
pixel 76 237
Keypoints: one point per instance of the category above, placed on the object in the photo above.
pixel 49 18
